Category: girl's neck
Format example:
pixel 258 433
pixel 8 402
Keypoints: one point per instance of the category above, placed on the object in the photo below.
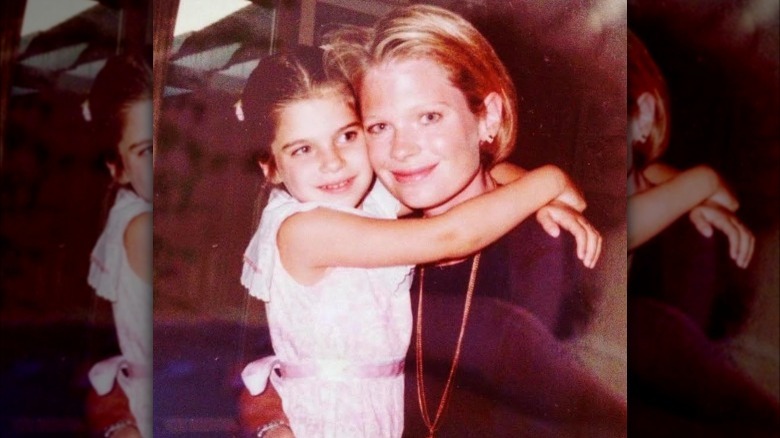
pixel 479 184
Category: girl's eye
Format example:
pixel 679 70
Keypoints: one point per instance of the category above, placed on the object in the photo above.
pixel 348 137
pixel 376 128
pixel 305 149
pixel 429 118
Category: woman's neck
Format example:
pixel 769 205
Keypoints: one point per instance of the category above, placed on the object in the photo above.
pixel 479 184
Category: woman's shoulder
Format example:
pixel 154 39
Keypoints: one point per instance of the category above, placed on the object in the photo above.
pixel 530 238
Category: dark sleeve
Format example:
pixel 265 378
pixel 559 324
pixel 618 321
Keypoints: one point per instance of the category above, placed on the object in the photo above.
pixel 545 278
pixel 695 275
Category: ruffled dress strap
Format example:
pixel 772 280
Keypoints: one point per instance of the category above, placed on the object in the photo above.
pixel 259 258
pixel 109 251
pixel 259 262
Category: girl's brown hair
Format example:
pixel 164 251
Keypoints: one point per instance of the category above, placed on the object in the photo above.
pixel 124 81
pixel 279 80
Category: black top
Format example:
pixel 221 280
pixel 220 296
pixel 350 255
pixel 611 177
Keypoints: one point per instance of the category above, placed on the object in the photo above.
pixel 515 378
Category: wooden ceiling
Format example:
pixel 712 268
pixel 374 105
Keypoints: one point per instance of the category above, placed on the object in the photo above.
pixel 67 56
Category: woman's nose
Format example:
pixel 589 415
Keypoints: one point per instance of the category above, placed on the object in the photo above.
pixel 404 145
pixel 332 161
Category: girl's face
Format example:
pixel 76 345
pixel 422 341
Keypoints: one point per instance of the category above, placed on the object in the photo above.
pixel 320 152
pixel 423 140
pixel 136 150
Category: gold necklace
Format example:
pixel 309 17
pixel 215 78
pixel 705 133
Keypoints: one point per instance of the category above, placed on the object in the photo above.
pixel 433 425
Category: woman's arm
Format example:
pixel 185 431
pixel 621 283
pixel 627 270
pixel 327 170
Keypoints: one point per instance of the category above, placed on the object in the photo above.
pixel 138 245
pixel 322 237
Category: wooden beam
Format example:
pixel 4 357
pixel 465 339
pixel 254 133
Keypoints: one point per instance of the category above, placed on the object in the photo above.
pixel 11 17
pixel 164 20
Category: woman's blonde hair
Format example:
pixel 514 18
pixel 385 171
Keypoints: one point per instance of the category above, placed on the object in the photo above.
pixel 444 37
pixel 645 77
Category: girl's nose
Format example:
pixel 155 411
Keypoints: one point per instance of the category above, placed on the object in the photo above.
pixel 332 161
pixel 404 145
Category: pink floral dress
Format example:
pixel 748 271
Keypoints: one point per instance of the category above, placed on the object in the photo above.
pixel 339 344
pixel 112 278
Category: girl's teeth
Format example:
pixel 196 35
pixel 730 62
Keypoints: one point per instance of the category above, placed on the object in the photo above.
pixel 336 186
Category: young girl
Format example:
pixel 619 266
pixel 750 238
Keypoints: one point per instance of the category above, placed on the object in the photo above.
pixel 120 107
pixel 331 265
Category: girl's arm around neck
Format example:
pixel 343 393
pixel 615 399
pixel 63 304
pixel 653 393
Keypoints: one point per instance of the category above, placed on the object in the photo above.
pixel 506 172
pixel 323 238
pixel 651 211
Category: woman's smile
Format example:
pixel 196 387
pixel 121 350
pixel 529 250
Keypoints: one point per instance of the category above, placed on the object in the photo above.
pixel 413 175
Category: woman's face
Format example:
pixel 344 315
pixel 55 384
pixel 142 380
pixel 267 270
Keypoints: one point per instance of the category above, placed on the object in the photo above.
pixel 136 150
pixel 423 140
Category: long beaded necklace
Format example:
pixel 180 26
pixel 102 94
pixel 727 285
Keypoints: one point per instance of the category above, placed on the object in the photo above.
pixel 434 425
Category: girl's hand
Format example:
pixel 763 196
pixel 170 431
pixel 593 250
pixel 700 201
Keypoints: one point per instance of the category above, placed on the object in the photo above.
pixel 723 196
pixel 711 215
pixel 557 215
pixel 280 432
pixel 127 432
pixel 571 196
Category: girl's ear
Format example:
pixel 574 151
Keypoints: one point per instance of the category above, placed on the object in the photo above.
pixel 646 117
pixel 121 178
pixel 491 119
pixel 270 172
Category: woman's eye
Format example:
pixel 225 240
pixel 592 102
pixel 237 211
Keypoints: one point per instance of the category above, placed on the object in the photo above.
pixel 429 118
pixel 144 149
pixel 376 128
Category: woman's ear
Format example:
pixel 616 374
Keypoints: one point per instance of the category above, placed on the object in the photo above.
pixel 646 117
pixel 491 119
pixel 120 176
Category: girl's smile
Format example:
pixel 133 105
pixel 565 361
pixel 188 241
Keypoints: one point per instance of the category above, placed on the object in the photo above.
pixel 338 187
pixel 320 153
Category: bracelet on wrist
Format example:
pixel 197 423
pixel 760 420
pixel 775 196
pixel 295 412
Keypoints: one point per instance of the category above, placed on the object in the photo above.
pixel 267 427
pixel 116 427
